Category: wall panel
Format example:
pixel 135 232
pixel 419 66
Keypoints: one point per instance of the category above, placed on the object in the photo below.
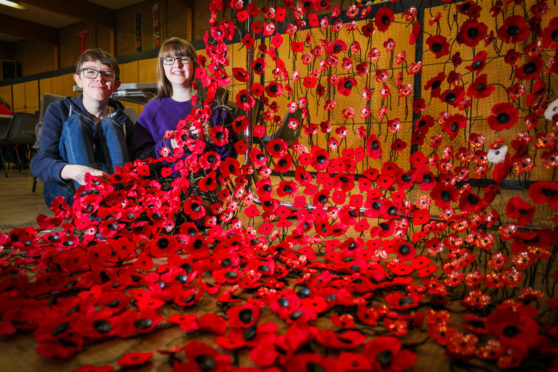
pixel 19 97
pixel 147 70
pixel 31 96
pixel 6 95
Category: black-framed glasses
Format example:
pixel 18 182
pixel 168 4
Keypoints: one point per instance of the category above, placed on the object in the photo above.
pixel 91 73
pixel 185 60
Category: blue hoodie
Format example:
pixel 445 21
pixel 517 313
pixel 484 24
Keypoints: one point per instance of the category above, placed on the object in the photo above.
pixel 47 163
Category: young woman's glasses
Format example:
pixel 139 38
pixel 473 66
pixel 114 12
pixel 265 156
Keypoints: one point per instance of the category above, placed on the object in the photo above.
pixel 185 60
pixel 91 73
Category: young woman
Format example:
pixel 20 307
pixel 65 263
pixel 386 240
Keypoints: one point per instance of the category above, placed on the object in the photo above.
pixel 176 89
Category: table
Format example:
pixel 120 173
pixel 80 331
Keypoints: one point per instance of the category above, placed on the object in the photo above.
pixel 140 93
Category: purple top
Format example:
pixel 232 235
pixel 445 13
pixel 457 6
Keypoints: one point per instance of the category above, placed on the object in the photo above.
pixel 163 114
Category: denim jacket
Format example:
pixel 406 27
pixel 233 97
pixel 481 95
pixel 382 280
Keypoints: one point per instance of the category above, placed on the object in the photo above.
pixel 48 163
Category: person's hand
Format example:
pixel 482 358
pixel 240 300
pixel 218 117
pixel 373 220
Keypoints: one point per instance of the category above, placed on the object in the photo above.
pixel 77 173
pixel 194 132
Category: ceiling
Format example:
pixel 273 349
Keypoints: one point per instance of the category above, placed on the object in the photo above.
pixel 42 18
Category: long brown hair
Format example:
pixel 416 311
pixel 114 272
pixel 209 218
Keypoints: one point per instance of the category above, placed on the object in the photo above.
pixel 173 47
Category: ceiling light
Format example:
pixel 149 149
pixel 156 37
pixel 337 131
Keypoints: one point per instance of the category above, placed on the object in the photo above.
pixel 11 4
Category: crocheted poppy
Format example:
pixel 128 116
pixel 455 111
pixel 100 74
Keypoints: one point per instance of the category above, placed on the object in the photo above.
pixel 471 32
pixel 383 18
pixel 438 45
pixel 530 70
pixel 386 353
pixel 519 209
pixel 514 30
pixel 479 88
pixel 504 116
pixel 544 193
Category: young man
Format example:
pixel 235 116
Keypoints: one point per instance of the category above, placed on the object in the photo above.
pixel 87 134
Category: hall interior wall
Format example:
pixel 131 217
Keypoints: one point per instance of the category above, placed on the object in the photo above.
pixel 24 96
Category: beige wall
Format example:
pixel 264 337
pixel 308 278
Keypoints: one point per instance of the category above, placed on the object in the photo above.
pixel 38 57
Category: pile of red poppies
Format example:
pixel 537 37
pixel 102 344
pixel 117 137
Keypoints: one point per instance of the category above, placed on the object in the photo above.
pixel 351 256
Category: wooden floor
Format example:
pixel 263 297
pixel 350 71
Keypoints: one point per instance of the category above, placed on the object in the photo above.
pixel 19 206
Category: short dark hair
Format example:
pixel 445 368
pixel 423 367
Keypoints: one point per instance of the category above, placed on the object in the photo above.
pixel 98 55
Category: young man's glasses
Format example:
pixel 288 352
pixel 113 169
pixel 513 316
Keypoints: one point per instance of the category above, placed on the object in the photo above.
pixel 91 73
pixel 185 60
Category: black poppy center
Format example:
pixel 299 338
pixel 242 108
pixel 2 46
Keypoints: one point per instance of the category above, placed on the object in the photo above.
pixel 554 35
pixel 314 367
pixel 267 187
pixel 233 275
pixel 436 84
pixel 454 126
pixel 250 332
pixel 472 199
pixel 283 163
pixel 102 326
pixel 376 205
pixel 473 32
pixel 211 159
pixel 296 315
pixel 385 20
pixel 404 249
pixel 196 207
pixel 437 47
pixel 273 88
pixel 529 68
pixel 348 84
pixel 321 159
pixel 260 157
pixel 322 199
pixel 245 316
pixel 163 243
pixel 511 331
pixel 549 192
pixel 288 189
pixel 480 87
pixel 258 66
pixel 503 118
pixel 244 98
pixel 513 30
pixel 392 210
pixel 445 195
pixel 450 97
pixel 143 323
pixel 405 301
pixel 303 292
pixel 477 65
pixel 384 358
pixel 337 48
pixel 277 147
pixel 375 145
pixel 205 362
